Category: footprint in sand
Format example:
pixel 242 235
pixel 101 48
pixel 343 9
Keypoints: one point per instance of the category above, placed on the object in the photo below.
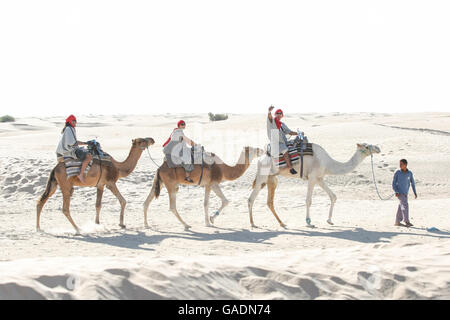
pixel 13 178
pixel 10 189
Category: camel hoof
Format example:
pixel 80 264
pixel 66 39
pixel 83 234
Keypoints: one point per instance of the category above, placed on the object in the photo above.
pixel 329 222
pixel 283 225
pixel 214 216
pixel 253 226
pixel 122 226
pixel 186 227
pixel 308 223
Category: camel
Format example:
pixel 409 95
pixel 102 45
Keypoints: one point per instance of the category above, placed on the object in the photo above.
pixel 316 167
pixel 212 177
pixel 98 177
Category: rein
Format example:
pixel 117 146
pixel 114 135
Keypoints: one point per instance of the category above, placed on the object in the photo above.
pixel 152 159
pixel 201 174
pixel 375 181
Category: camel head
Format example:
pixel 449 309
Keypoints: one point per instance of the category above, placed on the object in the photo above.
pixel 367 149
pixel 253 153
pixel 143 142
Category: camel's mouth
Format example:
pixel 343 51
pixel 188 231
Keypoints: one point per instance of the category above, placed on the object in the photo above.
pixel 375 149
pixel 149 141
pixel 259 152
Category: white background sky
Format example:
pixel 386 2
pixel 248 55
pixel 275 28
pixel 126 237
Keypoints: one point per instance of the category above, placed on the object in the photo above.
pixel 109 57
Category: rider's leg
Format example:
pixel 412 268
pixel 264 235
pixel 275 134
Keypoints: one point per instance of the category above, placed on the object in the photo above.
pixel 83 167
pixel 289 163
pixel 188 168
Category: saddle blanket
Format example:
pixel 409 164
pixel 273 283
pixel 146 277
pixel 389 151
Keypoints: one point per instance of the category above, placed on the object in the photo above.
pixel 294 154
pixel 73 166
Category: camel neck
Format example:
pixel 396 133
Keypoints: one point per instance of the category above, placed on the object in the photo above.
pixel 127 166
pixel 338 168
pixel 236 171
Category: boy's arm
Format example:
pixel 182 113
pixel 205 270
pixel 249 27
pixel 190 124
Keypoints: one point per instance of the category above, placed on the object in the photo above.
pixel 413 184
pixel 394 183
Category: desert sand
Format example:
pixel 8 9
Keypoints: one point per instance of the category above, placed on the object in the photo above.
pixel 363 256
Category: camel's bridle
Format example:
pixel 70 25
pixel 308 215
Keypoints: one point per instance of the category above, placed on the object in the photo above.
pixel 147 140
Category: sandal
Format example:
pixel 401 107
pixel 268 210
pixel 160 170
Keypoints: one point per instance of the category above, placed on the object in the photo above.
pixel 188 179
pixel 399 225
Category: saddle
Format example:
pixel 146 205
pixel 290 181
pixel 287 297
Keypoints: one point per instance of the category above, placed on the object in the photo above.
pixel 198 156
pixel 294 154
pixel 98 155
pixel 297 149
pixel 73 166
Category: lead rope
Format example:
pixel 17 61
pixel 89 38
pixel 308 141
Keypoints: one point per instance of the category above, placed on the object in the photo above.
pixel 375 181
pixel 152 159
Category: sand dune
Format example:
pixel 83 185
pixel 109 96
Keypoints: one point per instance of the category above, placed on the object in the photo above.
pixel 362 272
pixel 363 256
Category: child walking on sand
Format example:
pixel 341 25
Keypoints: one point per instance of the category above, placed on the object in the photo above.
pixel 403 179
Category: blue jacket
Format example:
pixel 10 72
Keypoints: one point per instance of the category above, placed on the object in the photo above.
pixel 402 181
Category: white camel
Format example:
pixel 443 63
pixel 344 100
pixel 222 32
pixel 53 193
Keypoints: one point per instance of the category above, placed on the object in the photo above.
pixel 316 167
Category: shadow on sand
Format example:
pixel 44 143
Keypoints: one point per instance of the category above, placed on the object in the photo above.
pixel 134 239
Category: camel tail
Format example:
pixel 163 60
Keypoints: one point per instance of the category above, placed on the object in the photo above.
pixel 51 183
pixel 157 184
pixel 254 184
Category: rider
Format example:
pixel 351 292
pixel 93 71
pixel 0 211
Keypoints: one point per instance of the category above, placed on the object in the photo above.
pixel 280 129
pixel 69 146
pixel 177 146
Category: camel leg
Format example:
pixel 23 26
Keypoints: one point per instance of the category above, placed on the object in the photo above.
pixel 147 202
pixel 206 205
pixel 332 196
pixel 41 202
pixel 123 202
pixel 311 184
pixel 98 203
pixel 66 211
pixel 173 208
pixel 259 183
pixel 271 186
pixel 224 200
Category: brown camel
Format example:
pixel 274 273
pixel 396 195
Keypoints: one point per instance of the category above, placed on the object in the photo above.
pixel 212 176
pixel 98 177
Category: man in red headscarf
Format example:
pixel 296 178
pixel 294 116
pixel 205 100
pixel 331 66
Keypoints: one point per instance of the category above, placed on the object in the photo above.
pixel 277 131
pixel 69 146
pixel 177 151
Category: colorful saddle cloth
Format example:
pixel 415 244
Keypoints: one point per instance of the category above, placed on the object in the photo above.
pixel 73 166
pixel 294 154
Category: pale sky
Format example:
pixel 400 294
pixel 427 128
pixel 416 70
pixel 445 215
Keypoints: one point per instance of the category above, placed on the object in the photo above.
pixel 110 57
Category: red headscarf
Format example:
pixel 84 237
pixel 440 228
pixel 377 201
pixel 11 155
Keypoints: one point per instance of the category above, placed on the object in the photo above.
pixel 70 119
pixel 178 126
pixel 277 121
